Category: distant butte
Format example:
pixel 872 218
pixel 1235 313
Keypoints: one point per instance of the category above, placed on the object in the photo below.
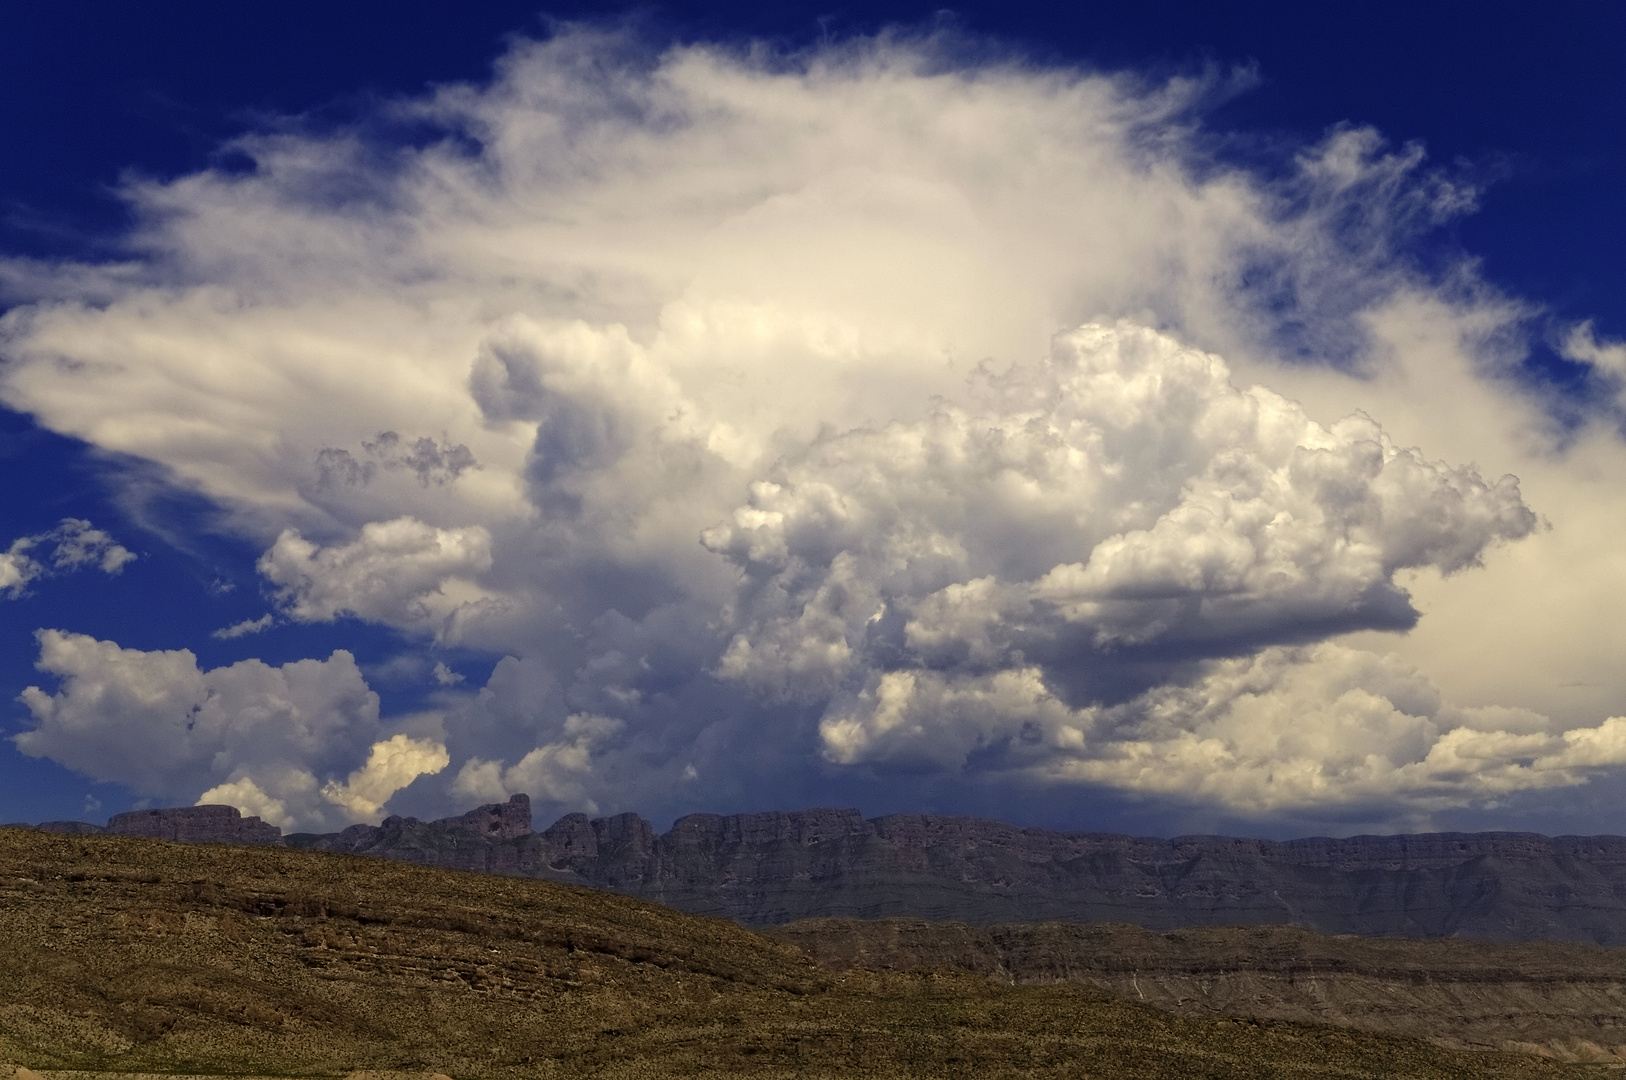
pixel 769 869
pixel 195 825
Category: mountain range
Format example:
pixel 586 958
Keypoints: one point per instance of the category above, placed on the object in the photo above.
pixel 768 869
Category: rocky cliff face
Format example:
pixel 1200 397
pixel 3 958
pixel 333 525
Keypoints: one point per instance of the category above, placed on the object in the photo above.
pixel 190 825
pixel 773 868
pixel 494 839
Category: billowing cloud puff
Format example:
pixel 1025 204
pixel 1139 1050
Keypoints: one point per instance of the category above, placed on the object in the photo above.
pixel 257 736
pixel 391 765
pixel 737 406
pixel 75 543
pixel 400 573
pixel 1119 505
pixel 554 772
pixel 1286 729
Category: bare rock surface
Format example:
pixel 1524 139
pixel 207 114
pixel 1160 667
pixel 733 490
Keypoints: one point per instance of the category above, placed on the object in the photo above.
pixel 768 869
pixel 772 868
pixel 189 825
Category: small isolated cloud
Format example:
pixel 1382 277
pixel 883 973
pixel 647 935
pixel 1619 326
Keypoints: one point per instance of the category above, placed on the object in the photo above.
pixel 445 676
pixel 244 628
pixel 261 737
pixel 73 545
pixel 1607 359
pixel 1582 345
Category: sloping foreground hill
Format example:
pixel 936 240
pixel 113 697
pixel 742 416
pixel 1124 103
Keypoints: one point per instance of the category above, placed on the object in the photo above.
pixel 1567 1001
pixel 122 955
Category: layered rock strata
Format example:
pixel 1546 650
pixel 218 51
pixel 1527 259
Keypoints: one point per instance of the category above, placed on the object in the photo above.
pixel 1558 1000
pixel 774 868
pixel 190 825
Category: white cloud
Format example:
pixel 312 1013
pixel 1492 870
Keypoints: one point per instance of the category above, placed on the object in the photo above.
pixel 1582 345
pixel 556 772
pixel 1322 729
pixel 74 544
pixel 492 388
pixel 1606 359
pixel 401 573
pixel 244 628
pixel 252 801
pixel 391 765
pixel 162 726
pixel 1123 496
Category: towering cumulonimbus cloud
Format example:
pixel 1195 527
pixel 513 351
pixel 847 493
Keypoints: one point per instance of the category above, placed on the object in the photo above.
pixel 768 419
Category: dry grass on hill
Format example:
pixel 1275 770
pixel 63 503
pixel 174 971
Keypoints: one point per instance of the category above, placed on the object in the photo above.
pixel 120 955
pixel 1558 999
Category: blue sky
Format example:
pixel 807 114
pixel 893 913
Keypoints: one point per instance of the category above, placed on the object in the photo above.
pixel 732 407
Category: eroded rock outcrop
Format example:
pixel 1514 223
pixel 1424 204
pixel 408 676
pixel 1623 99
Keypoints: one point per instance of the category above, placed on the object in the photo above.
pixel 772 868
pixel 769 869
pixel 193 825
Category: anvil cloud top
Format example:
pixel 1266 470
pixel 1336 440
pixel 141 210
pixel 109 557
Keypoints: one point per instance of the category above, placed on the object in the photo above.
pixel 677 417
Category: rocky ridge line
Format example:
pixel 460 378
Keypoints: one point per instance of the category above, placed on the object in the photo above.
pixel 768 869
pixel 772 868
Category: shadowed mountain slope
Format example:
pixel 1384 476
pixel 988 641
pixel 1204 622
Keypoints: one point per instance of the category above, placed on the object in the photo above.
pixel 122 955
pixel 774 868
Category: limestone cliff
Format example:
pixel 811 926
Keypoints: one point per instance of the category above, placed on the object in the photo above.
pixel 192 825
pixel 772 868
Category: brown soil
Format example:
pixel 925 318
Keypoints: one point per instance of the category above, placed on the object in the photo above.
pixel 121 955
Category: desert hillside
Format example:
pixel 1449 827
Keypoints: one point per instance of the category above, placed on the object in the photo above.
pixel 1561 1000
pixel 124 955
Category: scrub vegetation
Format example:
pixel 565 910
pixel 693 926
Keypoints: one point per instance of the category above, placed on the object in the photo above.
pixel 123 955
